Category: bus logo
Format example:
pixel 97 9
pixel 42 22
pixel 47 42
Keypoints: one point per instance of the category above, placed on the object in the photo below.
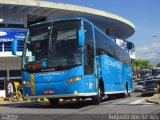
pixel 113 64
pixel 3 33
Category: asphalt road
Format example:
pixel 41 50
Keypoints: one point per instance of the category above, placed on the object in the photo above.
pixel 131 107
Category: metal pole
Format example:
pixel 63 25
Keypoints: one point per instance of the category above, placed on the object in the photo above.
pixel 4 84
pixel 5 88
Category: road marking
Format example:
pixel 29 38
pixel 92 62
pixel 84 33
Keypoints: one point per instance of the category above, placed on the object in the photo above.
pixel 122 101
pixel 140 101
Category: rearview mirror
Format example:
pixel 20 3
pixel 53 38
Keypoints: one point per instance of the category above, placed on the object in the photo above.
pixel 81 38
pixel 14 47
pixel 130 45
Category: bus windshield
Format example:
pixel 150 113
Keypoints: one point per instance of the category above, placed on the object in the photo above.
pixel 56 43
pixel 37 43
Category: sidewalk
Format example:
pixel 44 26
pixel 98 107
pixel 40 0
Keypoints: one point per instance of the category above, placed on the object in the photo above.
pixel 154 99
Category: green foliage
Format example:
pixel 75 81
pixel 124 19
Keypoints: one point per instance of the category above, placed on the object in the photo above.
pixel 141 64
pixel 158 65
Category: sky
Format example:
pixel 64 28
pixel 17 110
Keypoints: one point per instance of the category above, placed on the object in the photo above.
pixel 144 14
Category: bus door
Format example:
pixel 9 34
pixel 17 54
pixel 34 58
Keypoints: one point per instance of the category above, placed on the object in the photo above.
pixel 90 79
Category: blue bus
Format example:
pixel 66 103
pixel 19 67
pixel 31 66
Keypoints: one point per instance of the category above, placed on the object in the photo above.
pixel 72 58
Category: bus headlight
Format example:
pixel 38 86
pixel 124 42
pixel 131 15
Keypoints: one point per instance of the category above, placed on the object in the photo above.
pixel 26 83
pixel 74 79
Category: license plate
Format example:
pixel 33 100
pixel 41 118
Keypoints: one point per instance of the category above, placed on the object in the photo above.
pixel 48 91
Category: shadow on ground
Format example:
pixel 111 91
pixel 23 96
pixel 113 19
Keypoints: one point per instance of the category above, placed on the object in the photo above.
pixel 61 105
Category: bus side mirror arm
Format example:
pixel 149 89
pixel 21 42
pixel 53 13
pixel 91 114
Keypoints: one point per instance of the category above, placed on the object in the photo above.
pixel 14 47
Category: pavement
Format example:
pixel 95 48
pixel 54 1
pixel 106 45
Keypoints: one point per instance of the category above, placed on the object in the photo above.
pixel 154 99
pixel 134 105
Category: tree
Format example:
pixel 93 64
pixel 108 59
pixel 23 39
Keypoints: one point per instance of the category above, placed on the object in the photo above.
pixel 158 65
pixel 141 64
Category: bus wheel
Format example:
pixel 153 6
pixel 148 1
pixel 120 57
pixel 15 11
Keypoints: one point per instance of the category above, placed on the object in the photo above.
pixel 54 102
pixel 97 99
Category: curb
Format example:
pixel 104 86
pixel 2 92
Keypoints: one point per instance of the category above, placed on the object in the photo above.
pixel 154 99
pixel 42 100
pixel 2 99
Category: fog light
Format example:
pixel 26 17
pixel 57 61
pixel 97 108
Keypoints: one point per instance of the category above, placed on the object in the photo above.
pixel 75 92
pixel 27 83
pixel 24 82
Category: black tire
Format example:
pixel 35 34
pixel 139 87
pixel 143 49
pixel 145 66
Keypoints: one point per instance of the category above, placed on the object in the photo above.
pixel 97 99
pixel 15 97
pixel 112 97
pixel 54 102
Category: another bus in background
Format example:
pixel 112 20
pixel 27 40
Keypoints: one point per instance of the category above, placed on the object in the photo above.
pixel 145 73
pixel 156 72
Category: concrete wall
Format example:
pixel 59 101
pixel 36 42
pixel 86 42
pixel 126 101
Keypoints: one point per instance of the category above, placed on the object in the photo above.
pixel 11 63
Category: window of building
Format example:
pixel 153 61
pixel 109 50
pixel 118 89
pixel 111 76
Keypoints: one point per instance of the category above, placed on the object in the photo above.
pixel 14 73
pixel 3 73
